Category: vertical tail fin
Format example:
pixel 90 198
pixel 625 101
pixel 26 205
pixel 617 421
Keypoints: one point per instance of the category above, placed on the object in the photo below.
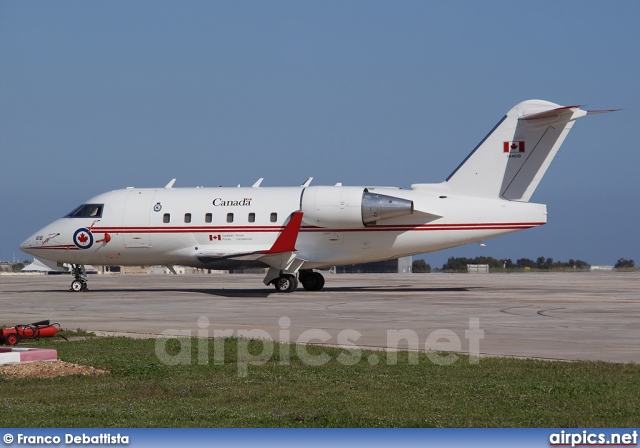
pixel 512 159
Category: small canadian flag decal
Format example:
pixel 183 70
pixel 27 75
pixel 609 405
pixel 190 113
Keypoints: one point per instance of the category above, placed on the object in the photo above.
pixel 215 237
pixel 513 146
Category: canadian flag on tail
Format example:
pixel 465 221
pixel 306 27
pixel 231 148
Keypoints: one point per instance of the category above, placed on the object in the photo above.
pixel 513 146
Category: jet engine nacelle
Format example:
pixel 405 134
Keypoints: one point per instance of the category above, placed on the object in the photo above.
pixel 348 207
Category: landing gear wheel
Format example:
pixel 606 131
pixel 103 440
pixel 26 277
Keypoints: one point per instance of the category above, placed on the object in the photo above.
pixel 285 283
pixel 78 286
pixel 12 339
pixel 313 281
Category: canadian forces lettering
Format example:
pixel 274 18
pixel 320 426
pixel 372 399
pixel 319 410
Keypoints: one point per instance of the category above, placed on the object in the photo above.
pixel 219 202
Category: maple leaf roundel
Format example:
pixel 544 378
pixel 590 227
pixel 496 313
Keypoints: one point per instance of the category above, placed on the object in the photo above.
pixel 83 238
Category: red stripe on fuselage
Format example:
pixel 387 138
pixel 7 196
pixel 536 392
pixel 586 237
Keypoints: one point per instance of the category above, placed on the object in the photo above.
pixel 67 247
pixel 272 229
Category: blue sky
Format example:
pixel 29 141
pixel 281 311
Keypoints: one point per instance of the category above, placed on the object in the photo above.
pixel 96 96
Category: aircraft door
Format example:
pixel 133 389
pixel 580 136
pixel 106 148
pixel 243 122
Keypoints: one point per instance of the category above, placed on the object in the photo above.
pixel 135 219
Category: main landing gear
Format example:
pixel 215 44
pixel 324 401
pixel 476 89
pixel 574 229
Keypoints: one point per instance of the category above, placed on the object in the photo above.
pixel 311 281
pixel 286 283
pixel 79 284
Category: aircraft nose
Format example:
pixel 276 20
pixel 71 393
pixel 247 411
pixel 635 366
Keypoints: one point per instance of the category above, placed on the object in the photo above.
pixel 27 244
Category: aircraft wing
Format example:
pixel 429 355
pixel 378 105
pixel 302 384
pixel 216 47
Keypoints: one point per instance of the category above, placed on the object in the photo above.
pixel 281 253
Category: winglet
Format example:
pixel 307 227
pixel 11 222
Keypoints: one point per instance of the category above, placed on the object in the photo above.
pixel 286 241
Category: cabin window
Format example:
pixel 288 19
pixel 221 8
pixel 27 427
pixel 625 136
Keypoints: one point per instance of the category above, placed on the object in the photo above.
pixel 86 211
pixel 187 217
pixel 229 217
pixel 208 217
pixel 252 217
pixel 274 217
pixel 166 218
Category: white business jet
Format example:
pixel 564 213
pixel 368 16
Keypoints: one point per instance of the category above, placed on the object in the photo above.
pixel 294 231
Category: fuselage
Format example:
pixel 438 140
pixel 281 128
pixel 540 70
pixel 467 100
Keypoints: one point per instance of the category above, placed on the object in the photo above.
pixel 198 226
pixel 293 230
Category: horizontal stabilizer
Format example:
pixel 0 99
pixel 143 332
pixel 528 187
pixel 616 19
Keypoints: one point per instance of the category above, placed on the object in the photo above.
pixel 549 113
pixel 605 111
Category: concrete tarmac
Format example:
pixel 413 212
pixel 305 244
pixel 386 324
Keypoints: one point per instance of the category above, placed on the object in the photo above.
pixel 561 316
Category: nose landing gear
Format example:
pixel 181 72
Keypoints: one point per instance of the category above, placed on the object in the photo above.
pixel 79 284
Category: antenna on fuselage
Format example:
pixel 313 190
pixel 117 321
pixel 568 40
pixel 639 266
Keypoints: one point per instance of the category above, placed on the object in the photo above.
pixel 170 184
pixel 307 182
pixel 258 182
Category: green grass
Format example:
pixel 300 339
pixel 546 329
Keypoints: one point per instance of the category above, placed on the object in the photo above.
pixel 79 333
pixel 141 391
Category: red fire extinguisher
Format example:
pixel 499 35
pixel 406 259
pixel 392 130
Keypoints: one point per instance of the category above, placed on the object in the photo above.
pixel 36 330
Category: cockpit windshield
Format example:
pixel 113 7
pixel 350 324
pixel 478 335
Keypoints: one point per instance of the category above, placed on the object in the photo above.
pixel 87 211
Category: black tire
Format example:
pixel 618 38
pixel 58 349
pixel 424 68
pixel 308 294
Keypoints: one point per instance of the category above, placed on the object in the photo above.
pixel 320 278
pixel 78 286
pixel 285 283
pixel 309 282
pixel 313 281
